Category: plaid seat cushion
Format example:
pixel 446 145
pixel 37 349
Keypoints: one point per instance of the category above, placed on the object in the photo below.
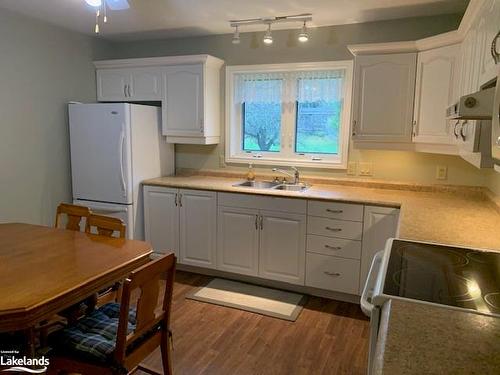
pixel 94 336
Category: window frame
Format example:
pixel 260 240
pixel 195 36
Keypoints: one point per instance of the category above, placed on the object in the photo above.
pixel 287 156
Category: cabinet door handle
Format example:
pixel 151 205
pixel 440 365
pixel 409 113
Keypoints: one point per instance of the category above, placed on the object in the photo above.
pixel 334 211
pixel 128 91
pixel 256 222
pixel 176 197
pixel 354 127
pixel 201 125
pixel 125 90
pixel 261 222
pixel 333 247
pixel 494 53
pixel 333 274
pixel 180 200
pixel 333 229
pixel 414 128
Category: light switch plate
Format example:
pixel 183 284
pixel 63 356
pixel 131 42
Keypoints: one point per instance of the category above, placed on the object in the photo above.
pixel 366 169
pixel 352 167
pixel 442 172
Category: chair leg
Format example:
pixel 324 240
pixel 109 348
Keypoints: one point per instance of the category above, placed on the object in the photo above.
pixel 166 353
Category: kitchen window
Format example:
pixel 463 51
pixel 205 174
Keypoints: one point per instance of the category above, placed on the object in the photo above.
pixel 289 114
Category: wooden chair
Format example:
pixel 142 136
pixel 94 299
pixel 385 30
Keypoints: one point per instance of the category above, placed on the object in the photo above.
pixel 106 225
pixel 151 328
pixel 74 214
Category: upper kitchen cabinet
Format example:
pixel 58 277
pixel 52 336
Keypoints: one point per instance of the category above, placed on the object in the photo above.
pixel 188 88
pixel 384 86
pixel 488 26
pixel 191 105
pixel 435 90
pixel 139 84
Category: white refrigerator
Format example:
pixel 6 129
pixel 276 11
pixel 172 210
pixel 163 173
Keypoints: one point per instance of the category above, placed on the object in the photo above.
pixel 114 147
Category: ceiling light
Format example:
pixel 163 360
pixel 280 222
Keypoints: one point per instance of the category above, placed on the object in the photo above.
pixel 304 35
pixel 268 38
pixel 236 36
pixel 94 3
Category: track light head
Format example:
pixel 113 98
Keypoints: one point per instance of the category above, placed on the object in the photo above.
pixel 268 38
pixel 236 36
pixel 94 3
pixel 304 35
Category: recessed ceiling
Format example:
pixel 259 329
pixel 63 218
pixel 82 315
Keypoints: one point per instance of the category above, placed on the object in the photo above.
pixel 177 18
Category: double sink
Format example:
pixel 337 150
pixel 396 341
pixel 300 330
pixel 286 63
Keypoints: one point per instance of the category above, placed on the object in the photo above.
pixel 272 185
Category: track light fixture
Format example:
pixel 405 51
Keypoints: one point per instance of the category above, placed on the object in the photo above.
pixel 304 35
pixel 236 36
pixel 268 38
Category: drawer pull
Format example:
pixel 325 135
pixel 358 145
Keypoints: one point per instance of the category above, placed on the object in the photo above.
pixel 333 229
pixel 334 211
pixel 333 274
pixel 333 247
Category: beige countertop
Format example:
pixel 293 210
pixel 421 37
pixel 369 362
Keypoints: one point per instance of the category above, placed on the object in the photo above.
pixel 456 218
pixel 422 339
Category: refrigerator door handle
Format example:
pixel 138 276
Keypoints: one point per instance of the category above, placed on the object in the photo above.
pixel 122 177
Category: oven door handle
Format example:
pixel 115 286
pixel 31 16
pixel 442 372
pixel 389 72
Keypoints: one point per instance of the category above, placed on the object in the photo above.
pixel 367 295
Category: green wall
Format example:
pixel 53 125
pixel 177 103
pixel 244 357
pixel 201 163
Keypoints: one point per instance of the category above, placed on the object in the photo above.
pixel 41 68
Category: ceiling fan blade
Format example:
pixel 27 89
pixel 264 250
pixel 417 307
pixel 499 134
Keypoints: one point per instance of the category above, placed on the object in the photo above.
pixel 117 4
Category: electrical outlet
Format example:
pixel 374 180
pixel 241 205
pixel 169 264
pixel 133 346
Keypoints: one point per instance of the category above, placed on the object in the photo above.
pixel 366 169
pixel 441 172
pixel 222 161
pixel 352 167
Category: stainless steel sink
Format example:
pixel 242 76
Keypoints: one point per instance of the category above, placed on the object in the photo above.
pixel 258 184
pixel 291 187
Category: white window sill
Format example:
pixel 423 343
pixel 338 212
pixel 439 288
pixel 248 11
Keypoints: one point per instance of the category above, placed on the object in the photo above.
pixel 304 163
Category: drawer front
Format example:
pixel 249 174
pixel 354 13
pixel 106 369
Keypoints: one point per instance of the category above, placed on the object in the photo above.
pixel 338 247
pixel 332 273
pixel 351 230
pixel 261 202
pixel 335 210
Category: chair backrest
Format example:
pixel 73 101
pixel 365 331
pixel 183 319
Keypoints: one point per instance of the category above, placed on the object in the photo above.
pixel 151 323
pixel 74 215
pixel 105 225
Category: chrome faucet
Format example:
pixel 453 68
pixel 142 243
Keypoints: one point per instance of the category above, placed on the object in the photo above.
pixel 295 174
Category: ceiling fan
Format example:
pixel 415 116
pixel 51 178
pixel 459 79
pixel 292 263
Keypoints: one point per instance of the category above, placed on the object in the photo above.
pixel 101 6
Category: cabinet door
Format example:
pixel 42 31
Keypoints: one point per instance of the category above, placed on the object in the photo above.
pixel 487 28
pixel 238 240
pixel 198 226
pixel 436 72
pixel 384 88
pixel 282 247
pixel 183 101
pixel 145 84
pixel 380 224
pixel 161 219
pixel 112 84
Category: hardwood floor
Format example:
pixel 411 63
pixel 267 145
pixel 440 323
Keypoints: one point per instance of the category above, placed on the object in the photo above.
pixel 329 337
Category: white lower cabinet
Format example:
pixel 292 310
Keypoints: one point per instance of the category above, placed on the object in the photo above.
pixel 198 228
pixel 380 224
pixel 266 237
pixel 282 247
pixel 238 240
pixel 182 221
pixel 332 273
pixel 161 219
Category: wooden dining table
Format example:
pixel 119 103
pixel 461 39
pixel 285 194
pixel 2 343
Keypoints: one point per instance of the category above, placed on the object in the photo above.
pixel 45 270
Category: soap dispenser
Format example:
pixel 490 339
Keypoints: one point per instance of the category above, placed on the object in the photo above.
pixel 250 173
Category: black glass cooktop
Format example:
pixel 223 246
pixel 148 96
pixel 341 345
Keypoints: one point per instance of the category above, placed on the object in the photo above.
pixel 446 275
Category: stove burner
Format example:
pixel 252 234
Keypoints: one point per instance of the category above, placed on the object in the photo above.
pixel 493 299
pixel 424 253
pixel 419 282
